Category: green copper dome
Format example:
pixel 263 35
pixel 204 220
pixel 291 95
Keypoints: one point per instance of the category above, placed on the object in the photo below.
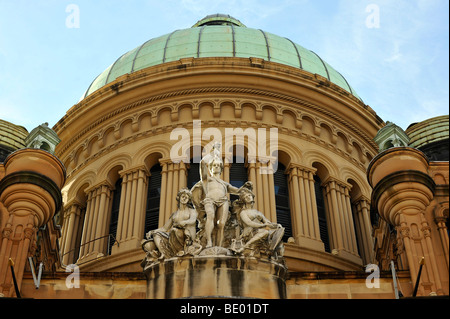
pixel 428 131
pixel 218 36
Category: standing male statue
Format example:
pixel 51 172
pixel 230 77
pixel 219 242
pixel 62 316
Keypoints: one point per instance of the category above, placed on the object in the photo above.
pixel 210 197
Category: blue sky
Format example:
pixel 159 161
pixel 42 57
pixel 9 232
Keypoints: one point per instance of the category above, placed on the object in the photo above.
pixel 394 53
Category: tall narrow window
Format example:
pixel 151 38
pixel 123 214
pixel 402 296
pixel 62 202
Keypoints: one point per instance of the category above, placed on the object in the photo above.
pixel 79 232
pixel 193 174
pixel 194 166
pixel 114 214
pixel 358 228
pixel 320 202
pixel 153 199
pixel 282 200
pixel 238 174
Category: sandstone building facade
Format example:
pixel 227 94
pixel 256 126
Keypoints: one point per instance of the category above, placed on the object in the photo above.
pixel 350 189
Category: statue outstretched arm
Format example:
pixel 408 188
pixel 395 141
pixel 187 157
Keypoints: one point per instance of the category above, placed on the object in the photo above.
pixel 250 223
pixel 235 191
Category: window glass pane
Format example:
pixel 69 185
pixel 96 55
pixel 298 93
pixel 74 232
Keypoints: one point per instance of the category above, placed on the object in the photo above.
pixel 282 201
pixel 153 199
pixel 320 202
pixel 114 213
pixel 238 175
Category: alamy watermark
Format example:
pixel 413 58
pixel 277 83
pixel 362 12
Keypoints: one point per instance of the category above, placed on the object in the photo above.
pixel 73 19
pixel 262 144
pixel 73 280
pixel 373 19
pixel 373 279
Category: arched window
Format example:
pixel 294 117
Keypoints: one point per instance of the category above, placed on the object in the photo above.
pixel 45 147
pixel 115 206
pixel 320 202
pixel 153 199
pixel 282 200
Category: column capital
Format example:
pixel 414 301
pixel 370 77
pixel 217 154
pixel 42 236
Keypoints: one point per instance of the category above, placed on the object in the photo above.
pixel 440 221
pixel 363 200
pixel 403 231
pixel 73 207
pixel 334 182
pixel 426 230
pixel 132 170
pixel 165 161
pixel 301 168
pixel 90 191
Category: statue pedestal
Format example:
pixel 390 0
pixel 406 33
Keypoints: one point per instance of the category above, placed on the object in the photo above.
pixel 215 277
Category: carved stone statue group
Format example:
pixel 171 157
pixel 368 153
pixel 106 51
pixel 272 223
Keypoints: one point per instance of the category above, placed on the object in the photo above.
pixel 205 224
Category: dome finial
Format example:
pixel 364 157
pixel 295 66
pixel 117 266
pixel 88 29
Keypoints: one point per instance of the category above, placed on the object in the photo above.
pixel 219 19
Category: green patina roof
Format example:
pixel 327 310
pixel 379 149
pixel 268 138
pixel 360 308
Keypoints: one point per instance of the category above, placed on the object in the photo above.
pixel 428 131
pixel 12 136
pixel 218 36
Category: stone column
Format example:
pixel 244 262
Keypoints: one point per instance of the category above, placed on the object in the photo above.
pixel 342 226
pixel 304 209
pixel 259 192
pixel 251 168
pixel 173 178
pixel 96 223
pixel 362 218
pixel 333 216
pixel 162 205
pixel 183 175
pixel 72 226
pixel 104 197
pixel 266 176
pixel 443 234
pixel 314 215
pixel 85 236
pixel 130 228
pixel 296 212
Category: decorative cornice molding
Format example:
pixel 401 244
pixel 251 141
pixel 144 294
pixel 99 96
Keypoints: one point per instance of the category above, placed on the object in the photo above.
pixel 216 90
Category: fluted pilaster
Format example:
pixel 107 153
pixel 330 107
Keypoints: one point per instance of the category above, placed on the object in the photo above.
pixel 340 215
pixel 96 222
pixel 173 178
pixel 303 207
pixel 364 229
pixel 73 218
pixel 131 221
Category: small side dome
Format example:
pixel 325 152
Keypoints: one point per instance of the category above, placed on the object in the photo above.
pixel 431 137
pixel 12 138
